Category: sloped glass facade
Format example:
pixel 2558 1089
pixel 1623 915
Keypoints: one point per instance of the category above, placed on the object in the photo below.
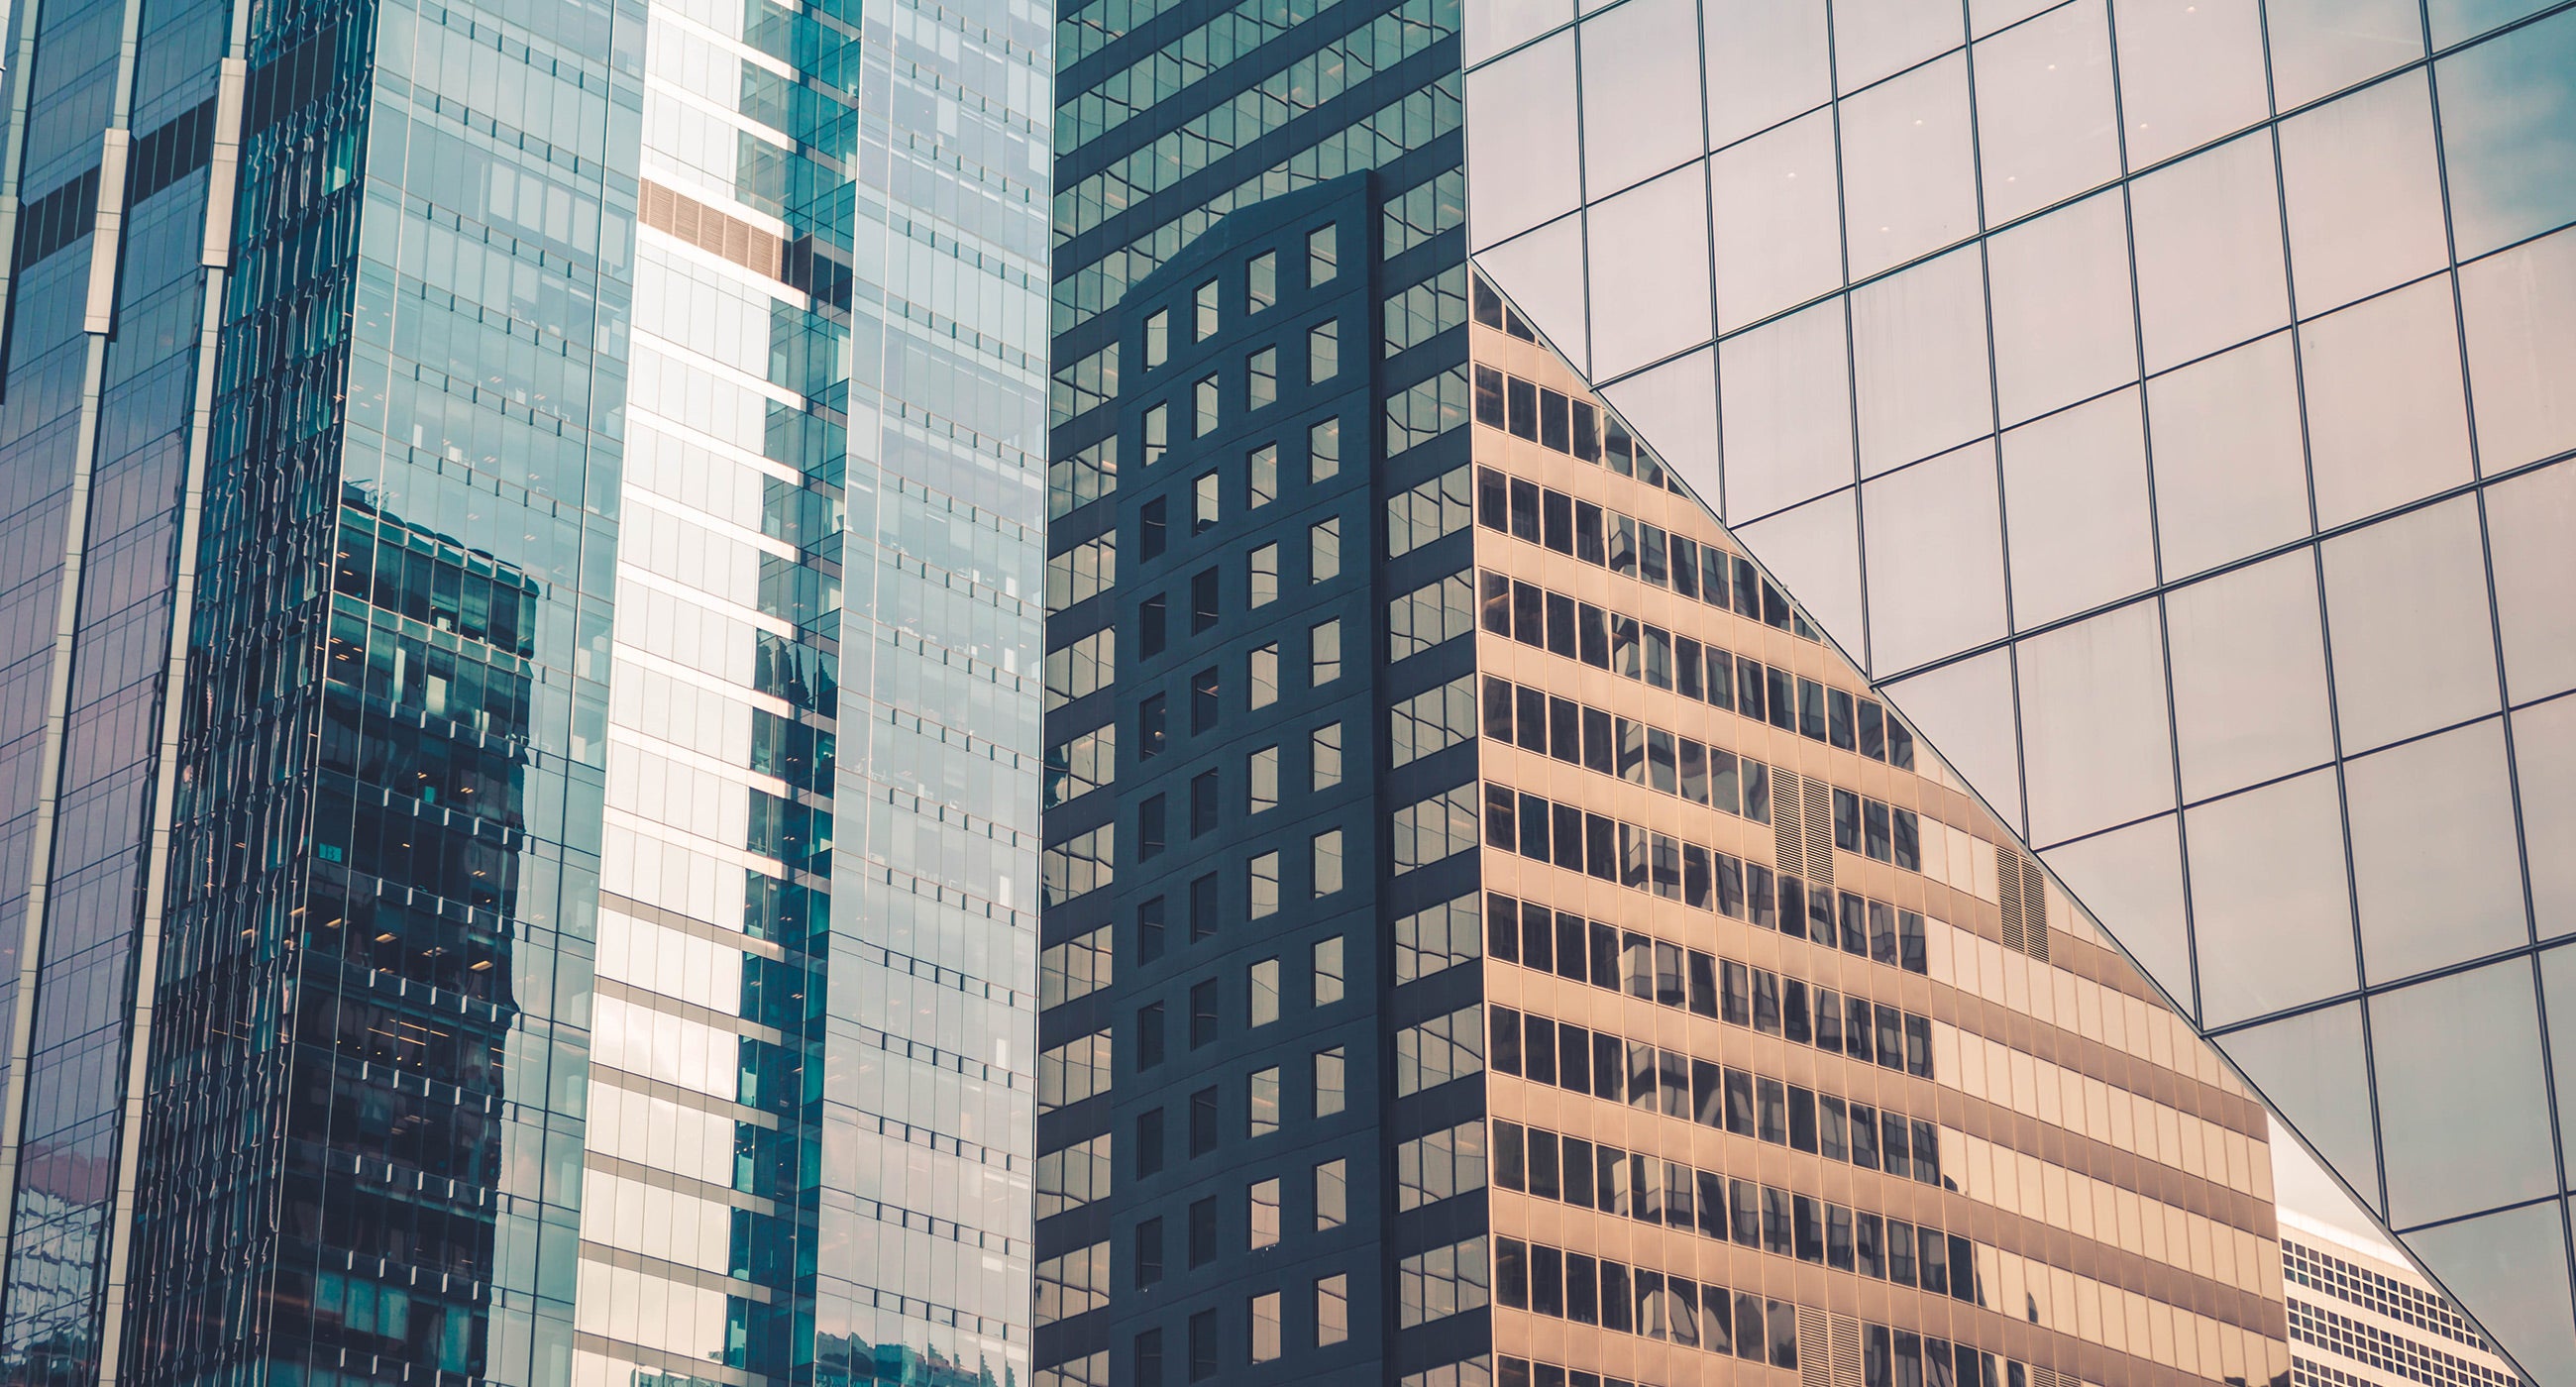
pixel 2164 404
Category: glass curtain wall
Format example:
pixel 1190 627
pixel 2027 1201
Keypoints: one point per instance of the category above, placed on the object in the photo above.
pixel 2160 402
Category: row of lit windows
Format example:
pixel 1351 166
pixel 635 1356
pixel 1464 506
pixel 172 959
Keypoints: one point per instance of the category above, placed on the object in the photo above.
pixel 1719 988
pixel 1638 1186
pixel 1640 650
pixel 1635 857
pixel 1643 1076
pixel 1672 764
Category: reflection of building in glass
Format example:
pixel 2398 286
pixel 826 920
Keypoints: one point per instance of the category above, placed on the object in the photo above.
pixel 2360 1317
pixel 2165 405
pixel 458 466
pixel 1490 935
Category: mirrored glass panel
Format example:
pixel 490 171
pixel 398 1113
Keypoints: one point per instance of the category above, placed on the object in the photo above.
pixel 2323 46
pixel 2519 308
pixel 2463 1113
pixel 2075 502
pixel 2231 472
pixel 1919 361
pixel 2530 522
pixel 2500 1266
pixel 1785 392
pixel 2386 419
pixel 1875 38
pixel 2062 307
pixel 1768 60
pixel 2436 870
pixel 1524 166
pixel 2271 911
pixel 2190 72
pixel 2509 134
pixel 2406 620
pixel 2315 1062
pixel 2095 742
pixel 2365 204
pixel 1641 113
pixel 2249 675
pixel 2045 125
pixel 1936 580
pixel 1778 218
pixel 1909 166
pixel 2210 273
pixel 1651 298
pixel 2544 763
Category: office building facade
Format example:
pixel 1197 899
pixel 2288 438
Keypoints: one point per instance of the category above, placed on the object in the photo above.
pixel 1490 933
pixel 2361 1317
pixel 2165 405
pixel 521 746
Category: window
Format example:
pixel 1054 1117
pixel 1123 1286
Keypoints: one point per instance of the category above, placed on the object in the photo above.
pixel 1262 476
pixel 1429 830
pixel 1203 600
pixel 1206 304
pixel 1149 1035
pixel 1158 433
pixel 1438 507
pixel 1149 1359
pixel 1202 1346
pixel 1332 1195
pixel 1324 652
pixel 1202 1122
pixel 1203 503
pixel 1332 1310
pixel 1074 1176
pixel 1324 450
pixel 1265 1327
pixel 1203 792
pixel 1324 550
pixel 1265 992
pixel 1203 1014
pixel 1203 908
pixel 1153 528
pixel 1261 281
pixel 1261 1111
pixel 1433 720
pixel 1202 1232
pixel 1265 675
pixel 1076 768
pixel 1438 611
pixel 1261 379
pixel 1081 669
pixel 1440 1282
pixel 1158 338
pixel 1149 1143
pixel 1448 934
pixel 1203 408
pixel 1082 572
pixel 1149 625
pixel 1328 971
pixel 1261 772
pixel 1323 255
pixel 1264 883
pixel 1331 1082
pixel 1326 855
pixel 1149 1252
pixel 1451 1161
pixel 1265 575
pixel 1073 1071
pixel 1073 1283
pixel 1265 1213
pixel 1323 351
pixel 1438 1050
pixel 1325 754
pixel 1205 704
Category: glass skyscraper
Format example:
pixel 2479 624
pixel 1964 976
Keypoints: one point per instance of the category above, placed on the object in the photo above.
pixel 518 758
pixel 2167 405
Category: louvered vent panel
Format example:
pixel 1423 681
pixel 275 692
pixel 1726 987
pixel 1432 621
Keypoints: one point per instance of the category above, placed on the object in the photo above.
pixel 1813 1370
pixel 1820 831
pixel 711 230
pixel 2034 912
pixel 1847 1358
pixel 2008 888
pixel 1784 822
